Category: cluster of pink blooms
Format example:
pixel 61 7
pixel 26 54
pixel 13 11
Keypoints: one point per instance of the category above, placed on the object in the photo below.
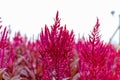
pixel 56 56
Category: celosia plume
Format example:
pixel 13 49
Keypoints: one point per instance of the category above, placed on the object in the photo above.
pixel 56 50
pixel 93 55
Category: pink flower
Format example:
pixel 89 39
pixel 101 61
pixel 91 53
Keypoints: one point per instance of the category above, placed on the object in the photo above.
pixel 93 55
pixel 3 45
pixel 56 50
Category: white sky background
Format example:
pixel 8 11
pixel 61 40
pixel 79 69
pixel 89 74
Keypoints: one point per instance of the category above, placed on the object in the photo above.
pixel 28 16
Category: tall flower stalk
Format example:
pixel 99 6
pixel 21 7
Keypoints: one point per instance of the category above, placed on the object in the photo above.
pixel 3 45
pixel 56 51
pixel 6 58
pixel 93 55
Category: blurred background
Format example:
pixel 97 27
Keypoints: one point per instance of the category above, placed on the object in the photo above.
pixel 29 16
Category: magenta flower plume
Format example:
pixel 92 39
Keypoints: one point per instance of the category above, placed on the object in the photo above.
pixel 4 58
pixel 93 55
pixel 56 51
